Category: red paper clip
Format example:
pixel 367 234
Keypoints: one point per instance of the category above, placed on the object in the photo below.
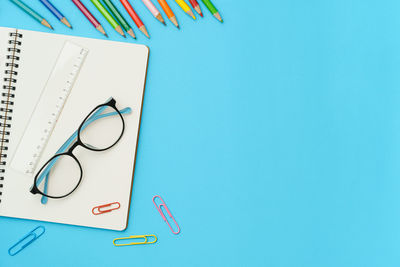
pixel 163 216
pixel 100 209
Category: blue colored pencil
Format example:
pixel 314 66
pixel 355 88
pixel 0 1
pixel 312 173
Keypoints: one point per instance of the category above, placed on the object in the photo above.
pixel 56 12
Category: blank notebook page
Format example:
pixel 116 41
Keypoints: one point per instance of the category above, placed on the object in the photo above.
pixel 111 69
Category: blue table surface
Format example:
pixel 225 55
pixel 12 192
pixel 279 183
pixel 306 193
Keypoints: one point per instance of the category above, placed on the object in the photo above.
pixel 273 138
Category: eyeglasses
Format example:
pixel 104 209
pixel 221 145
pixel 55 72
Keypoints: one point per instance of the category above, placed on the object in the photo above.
pixel 102 129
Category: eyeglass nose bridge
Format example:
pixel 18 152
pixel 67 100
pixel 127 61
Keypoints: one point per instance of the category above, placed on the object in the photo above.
pixel 75 145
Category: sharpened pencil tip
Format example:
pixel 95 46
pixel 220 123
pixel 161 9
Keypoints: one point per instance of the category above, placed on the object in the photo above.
pixel 131 33
pixel 190 13
pixel 218 17
pixel 120 31
pixel 144 30
pixel 100 29
pixel 198 10
pixel 45 23
pixel 160 18
pixel 66 22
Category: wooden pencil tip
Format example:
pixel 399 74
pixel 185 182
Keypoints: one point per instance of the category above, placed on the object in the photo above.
pixel 45 23
pixel 174 21
pixel 144 30
pixel 131 33
pixel 190 13
pixel 100 29
pixel 198 10
pixel 120 31
pixel 160 18
pixel 66 22
pixel 218 17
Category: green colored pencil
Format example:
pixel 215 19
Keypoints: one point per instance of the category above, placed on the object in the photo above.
pixel 108 16
pixel 32 13
pixel 212 9
pixel 120 19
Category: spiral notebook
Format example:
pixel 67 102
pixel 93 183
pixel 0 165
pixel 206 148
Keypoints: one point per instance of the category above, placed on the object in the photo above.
pixel 108 69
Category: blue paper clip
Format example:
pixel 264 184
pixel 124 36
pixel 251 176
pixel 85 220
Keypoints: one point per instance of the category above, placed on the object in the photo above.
pixel 26 240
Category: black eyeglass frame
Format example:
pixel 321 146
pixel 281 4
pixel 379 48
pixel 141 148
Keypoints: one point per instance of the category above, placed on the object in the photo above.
pixel 111 103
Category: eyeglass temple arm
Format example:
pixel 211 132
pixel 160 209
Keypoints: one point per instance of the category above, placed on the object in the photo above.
pixel 97 115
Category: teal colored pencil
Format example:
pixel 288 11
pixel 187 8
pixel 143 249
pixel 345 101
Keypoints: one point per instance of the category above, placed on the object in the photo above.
pixel 212 9
pixel 32 13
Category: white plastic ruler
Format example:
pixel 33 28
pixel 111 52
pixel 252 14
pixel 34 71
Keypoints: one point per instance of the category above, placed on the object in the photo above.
pixel 49 107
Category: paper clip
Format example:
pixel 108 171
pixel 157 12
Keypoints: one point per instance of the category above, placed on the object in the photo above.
pixel 163 216
pixel 30 237
pixel 101 209
pixel 146 241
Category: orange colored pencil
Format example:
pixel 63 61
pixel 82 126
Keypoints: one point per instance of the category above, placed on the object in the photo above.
pixel 164 5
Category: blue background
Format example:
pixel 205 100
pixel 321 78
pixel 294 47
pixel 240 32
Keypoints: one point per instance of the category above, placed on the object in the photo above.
pixel 273 138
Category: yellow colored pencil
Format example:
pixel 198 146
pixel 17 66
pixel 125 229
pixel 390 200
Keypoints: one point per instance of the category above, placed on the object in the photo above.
pixel 185 8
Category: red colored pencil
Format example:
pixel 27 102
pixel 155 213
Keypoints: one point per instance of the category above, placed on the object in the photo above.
pixel 135 17
pixel 196 6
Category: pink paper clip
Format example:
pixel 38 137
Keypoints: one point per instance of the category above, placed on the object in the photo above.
pixel 163 216
pixel 105 208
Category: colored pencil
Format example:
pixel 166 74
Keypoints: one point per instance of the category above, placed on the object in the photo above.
pixel 212 9
pixel 171 16
pixel 150 6
pixel 185 8
pixel 89 16
pixel 108 16
pixel 135 17
pixel 196 6
pixel 32 13
pixel 56 12
pixel 120 19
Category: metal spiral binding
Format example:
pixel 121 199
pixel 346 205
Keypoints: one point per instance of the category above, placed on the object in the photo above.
pixel 7 97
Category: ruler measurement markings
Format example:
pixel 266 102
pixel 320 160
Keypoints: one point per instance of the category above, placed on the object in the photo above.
pixel 59 96
pixel 55 115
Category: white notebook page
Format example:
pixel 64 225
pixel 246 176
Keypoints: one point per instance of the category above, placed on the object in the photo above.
pixel 110 69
